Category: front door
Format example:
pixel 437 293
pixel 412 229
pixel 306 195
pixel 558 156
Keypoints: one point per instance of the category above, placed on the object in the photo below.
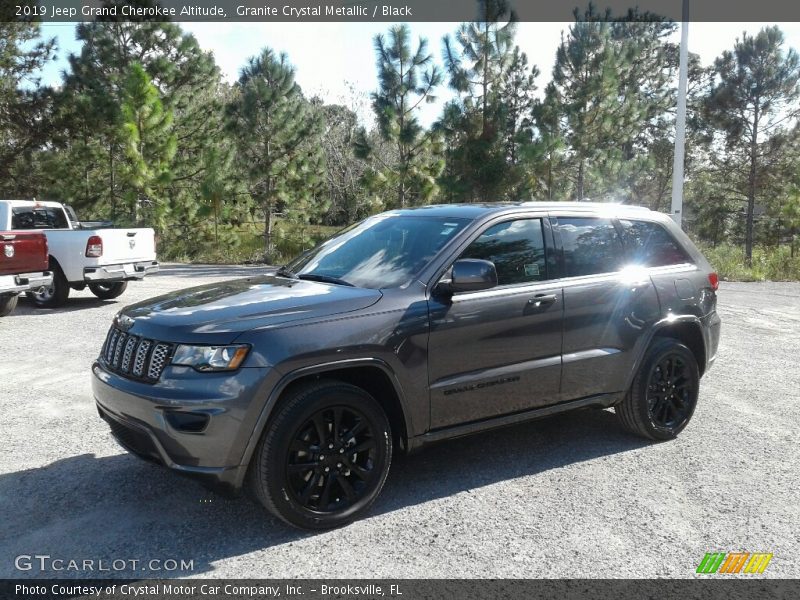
pixel 498 351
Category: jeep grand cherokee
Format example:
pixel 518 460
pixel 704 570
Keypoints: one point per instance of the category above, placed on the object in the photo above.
pixel 408 328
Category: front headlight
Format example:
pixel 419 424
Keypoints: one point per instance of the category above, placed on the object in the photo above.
pixel 211 358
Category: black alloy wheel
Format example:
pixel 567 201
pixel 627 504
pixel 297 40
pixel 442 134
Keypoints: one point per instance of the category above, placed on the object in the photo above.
pixel 331 461
pixel 669 393
pixel 323 457
pixel 663 395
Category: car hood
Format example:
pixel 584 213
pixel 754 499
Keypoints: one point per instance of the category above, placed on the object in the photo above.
pixel 219 312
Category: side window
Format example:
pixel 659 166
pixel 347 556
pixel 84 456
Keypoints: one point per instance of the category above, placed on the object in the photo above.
pixel 55 218
pixel 650 245
pixel 591 246
pixel 22 218
pixel 38 218
pixel 515 247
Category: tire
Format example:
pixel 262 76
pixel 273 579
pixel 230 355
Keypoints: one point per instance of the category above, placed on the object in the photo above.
pixel 108 291
pixel 54 295
pixel 664 392
pixel 8 303
pixel 288 472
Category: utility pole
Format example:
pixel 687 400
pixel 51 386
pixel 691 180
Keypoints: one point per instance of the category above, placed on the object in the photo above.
pixel 680 120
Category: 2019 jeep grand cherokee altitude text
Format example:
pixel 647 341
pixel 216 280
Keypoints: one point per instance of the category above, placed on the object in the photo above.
pixel 411 327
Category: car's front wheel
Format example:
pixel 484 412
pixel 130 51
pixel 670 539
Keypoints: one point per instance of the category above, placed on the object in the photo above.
pixel 664 392
pixel 324 458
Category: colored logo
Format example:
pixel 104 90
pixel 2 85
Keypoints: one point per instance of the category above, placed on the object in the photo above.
pixel 734 562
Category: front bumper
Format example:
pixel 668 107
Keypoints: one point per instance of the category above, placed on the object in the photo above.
pixel 198 424
pixel 121 272
pixel 11 284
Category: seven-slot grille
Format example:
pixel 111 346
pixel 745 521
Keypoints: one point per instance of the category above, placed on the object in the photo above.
pixel 135 357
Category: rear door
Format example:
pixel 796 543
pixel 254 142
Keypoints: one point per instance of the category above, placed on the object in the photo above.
pixel 607 306
pixel 498 351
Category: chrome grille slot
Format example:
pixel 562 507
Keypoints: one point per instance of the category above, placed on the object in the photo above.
pixel 158 361
pixel 141 356
pixel 118 350
pixel 135 357
pixel 111 345
pixel 128 353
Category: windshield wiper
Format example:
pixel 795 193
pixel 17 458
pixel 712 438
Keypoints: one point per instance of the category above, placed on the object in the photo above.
pixel 324 279
pixel 284 271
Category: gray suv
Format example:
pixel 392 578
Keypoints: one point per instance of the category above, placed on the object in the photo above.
pixel 409 328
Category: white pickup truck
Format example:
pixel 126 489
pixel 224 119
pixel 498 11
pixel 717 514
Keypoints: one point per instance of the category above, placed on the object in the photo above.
pixel 82 254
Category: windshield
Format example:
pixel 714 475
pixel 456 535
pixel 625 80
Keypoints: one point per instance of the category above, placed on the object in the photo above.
pixel 384 251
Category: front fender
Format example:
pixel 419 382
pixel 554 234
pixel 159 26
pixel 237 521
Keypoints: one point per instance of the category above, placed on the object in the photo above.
pixel 318 369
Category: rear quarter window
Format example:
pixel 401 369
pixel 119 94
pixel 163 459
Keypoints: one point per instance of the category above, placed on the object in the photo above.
pixel 651 245
pixel 591 246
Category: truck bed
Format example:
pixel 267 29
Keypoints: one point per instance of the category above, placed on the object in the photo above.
pixel 23 252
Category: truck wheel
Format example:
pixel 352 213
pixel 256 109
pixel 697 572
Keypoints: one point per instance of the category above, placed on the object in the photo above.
pixel 8 303
pixel 55 294
pixel 108 291
pixel 664 392
pixel 324 457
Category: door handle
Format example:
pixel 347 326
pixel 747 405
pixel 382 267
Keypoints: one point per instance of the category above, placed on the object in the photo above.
pixel 541 300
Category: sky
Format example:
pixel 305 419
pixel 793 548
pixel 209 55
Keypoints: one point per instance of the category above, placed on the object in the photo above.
pixel 336 61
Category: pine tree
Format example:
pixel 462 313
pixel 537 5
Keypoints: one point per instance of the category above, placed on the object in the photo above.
pixel 406 78
pixel 752 100
pixel 89 104
pixel 276 133
pixel 485 52
pixel 517 101
pixel 546 154
pixel 149 146
pixel 24 112
pixel 517 97
pixel 610 81
pixel 477 60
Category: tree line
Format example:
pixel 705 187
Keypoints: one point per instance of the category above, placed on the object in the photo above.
pixel 144 130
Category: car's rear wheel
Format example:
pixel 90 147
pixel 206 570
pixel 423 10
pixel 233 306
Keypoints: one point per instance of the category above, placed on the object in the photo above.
pixel 53 295
pixel 664 392
pixel 8 302
pixel 108 291
pixel 324 458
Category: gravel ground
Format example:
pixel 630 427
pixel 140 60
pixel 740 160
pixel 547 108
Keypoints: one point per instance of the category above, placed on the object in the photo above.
pixel 571 496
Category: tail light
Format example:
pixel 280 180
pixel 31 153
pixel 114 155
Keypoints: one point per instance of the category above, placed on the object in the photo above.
pixel 94 247
pixel 714 281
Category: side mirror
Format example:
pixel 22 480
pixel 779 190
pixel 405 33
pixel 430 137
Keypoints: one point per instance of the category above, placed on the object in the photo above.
pixel 470 275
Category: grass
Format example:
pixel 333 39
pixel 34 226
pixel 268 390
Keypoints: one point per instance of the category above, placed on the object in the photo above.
pixel 769 264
